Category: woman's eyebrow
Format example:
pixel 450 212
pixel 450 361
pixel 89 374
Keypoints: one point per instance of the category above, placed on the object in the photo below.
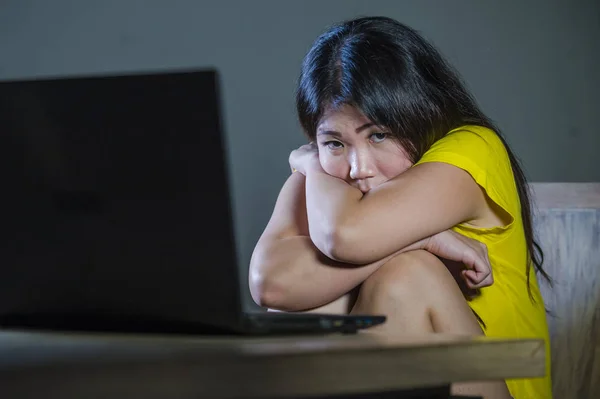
pixel 365 126
pixel 337 134
pixel 329 133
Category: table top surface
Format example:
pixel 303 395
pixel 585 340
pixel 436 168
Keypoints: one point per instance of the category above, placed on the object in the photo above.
pixel 101 365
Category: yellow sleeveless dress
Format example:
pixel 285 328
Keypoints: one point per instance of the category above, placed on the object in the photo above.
pixel 505 308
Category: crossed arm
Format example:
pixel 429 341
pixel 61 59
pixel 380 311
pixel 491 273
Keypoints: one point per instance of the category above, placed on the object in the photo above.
pixel 421 202
pixel 325 237
pixel 287 271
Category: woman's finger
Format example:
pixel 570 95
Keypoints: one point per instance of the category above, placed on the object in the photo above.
pixel 479 271
pixel 470 279
pixel 479 280
pixel 480 268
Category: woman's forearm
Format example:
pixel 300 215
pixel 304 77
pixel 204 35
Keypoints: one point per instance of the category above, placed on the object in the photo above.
pixel 291 274
pixel 329 201
pixel 287 271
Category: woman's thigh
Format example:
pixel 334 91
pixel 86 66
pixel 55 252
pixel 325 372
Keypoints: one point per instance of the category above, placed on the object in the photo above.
pixel 342 305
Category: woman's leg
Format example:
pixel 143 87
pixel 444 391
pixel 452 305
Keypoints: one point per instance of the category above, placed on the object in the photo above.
pixel 342 305
pixel 418 294
pixel 339 306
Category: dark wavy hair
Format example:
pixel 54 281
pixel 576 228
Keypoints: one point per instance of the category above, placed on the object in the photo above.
pixel 398 80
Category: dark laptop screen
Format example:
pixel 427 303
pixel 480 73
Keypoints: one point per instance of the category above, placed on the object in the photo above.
pixel 115 197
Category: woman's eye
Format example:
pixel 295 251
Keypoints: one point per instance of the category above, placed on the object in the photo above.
pixel 333 145
pixel 378 137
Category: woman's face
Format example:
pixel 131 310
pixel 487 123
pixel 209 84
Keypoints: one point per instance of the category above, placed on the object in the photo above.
pixel 352 148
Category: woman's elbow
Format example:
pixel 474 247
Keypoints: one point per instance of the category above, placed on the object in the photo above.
pixel 341 245
pixel 263 288
pixel 267 283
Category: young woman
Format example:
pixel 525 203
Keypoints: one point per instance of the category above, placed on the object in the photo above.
pixel 402 166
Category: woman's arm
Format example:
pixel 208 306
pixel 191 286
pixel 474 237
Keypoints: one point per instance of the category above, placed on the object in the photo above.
pixel 425 200
pixel 287 272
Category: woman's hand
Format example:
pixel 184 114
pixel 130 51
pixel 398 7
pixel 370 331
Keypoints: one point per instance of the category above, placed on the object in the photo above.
pixel 473 254
pixel 304 158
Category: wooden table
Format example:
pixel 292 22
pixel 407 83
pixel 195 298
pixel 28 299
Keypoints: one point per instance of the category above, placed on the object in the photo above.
pixel 68 365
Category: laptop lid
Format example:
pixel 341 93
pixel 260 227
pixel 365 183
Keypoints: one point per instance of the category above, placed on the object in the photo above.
pixel 115 198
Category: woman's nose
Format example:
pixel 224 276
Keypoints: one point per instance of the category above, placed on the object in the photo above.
pixel 361 166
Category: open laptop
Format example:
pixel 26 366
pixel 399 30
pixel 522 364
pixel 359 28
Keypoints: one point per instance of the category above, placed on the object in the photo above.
pixel 116 211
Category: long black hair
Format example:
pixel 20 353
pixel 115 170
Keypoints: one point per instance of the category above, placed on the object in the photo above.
pixel 398 80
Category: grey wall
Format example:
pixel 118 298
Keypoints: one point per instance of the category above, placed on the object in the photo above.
pixel 534 66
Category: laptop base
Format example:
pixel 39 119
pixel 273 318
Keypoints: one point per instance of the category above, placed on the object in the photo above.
pixel 264 323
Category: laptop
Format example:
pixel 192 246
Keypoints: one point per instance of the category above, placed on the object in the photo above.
pixel 116 210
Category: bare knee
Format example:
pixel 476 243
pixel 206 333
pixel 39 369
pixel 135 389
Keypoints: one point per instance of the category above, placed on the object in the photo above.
pixel 416 287
pixel 408 274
